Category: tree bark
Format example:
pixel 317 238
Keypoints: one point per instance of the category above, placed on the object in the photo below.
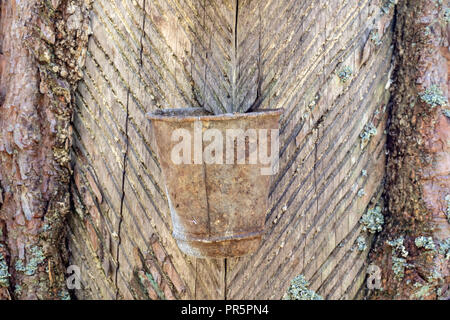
pixel 42 52
pixel 418 167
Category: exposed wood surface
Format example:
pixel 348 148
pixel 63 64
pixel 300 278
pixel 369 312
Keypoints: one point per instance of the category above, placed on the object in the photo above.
pixel 153 54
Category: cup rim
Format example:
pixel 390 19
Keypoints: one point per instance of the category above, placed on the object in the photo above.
pixel 199 114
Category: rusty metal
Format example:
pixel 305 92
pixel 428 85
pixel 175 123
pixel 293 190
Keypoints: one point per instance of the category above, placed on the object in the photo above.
pixel 217 210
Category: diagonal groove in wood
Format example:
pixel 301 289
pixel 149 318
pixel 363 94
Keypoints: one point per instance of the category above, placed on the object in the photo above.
pixel 124 172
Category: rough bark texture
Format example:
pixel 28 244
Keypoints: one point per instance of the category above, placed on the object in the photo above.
pixel 419 160
pixel 42 52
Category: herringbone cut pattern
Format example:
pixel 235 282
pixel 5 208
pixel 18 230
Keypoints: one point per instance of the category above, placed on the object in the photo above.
pixel 231 55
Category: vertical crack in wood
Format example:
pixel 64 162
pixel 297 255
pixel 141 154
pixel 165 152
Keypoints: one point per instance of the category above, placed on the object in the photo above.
pixel 125 155
pixel 225 279
pixel 233 106
pixel 255 105
pixel 123 194
pixel 234 98
pixel 205 69
pixel 259 79
pixel 196 277
pixel 205 177
pixel 315 181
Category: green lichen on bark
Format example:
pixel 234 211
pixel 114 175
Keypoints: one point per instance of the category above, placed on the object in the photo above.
pixel 36 257
pixel 434 97
pixel 345 74
pixel 388 5
pixel 422 291
pixel 447 15
pixel 368 132
pixel 373 220
pixel 444 248
pixel 298 290
pixel 398 247
pixel 399 254
pixel 4 272
pixel 361 243
pixel 398 267
pixel 425 242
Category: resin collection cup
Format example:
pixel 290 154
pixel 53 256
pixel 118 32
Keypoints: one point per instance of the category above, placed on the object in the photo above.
pixel 218 208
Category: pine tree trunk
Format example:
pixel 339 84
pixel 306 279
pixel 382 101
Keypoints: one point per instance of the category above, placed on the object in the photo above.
pixel 42 52
pixel 418 167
